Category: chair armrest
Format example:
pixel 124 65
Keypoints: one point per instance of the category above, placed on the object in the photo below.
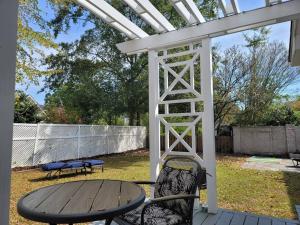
pixel 144 182
pixel 163 199
pixel 170 197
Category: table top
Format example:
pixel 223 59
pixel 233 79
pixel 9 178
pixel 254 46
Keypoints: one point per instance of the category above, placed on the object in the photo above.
pixel 81 201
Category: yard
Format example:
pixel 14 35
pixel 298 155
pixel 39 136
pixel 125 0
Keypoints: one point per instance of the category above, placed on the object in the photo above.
pixel 260 192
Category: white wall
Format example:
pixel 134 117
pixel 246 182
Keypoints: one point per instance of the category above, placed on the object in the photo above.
pixel 35 144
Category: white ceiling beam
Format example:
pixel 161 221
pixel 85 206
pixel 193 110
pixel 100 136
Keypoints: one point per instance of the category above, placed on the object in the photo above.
pixel 285 11
pixel 222 5
pixel 112 16
pixel 235 6
pixel 151 15
pixel 183 12
pixel 194 10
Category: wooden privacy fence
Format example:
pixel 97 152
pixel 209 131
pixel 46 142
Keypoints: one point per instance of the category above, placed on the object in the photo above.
pixel 224 144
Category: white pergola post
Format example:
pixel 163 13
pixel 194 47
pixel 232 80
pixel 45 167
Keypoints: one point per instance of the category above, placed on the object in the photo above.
pixel 154 123
pixel 8 27
pixel 208 135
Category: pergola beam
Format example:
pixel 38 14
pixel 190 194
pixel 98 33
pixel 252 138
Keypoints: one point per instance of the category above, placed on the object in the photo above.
pixel 112 16
pixel 277 13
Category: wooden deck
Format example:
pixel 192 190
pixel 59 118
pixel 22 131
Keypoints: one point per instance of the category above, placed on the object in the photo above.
pixel 228 217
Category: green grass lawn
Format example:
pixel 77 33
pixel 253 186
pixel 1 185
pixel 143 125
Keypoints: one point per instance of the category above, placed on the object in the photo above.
pixel 261 192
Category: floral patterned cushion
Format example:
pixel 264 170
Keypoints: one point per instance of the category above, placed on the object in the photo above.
pixel 154 215
pixel 173 181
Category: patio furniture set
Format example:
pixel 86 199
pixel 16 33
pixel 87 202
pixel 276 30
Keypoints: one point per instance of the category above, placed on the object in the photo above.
pixel 120 201
pixel 56 168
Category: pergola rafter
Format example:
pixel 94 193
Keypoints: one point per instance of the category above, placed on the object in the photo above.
pixel 277 13
pixel 222 5
pixel 113 17
pixel 151 15
pixel 188 11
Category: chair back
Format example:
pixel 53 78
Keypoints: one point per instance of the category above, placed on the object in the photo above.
pixel 179 175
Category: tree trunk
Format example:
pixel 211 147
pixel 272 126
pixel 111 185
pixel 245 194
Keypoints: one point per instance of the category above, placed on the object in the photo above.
pixel 138 119
pixel 131 118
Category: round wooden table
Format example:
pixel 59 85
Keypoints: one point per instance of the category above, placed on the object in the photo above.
pixel 81 201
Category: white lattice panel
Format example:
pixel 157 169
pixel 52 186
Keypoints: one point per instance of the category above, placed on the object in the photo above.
pixel 91 146
pixel 57 131
pixel 36 144
pixel 48 150
pixel 180 98
pixel 22 152
pixel 24 131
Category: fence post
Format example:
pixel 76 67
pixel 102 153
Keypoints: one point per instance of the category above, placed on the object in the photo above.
pixel 36 142
pixel 78 142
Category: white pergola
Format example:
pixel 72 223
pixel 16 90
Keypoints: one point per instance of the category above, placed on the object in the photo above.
pixel 180 56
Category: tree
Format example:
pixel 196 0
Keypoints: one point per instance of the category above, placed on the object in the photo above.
pixel 97 80
pixel 248 80
pixel 230 77
pixel 26 109
pixel 279 115
pixel 34 39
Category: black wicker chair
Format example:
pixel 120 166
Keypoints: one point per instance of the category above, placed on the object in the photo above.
pixel 174 194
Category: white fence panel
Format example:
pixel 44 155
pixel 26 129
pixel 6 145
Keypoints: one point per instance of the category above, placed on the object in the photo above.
pixel 35 144
pixel 24 136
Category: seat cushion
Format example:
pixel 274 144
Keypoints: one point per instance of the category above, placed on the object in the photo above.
pixel 74 164
pixel 53 166
pixel 173 181
pixel 154 215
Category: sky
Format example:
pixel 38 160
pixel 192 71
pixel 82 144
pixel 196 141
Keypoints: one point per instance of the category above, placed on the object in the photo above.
pixel 279 32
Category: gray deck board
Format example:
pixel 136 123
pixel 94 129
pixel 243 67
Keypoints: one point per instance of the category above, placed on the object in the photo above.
pixel 199 217
pixel 251 220
pixel 225 218
pixel 298 210
pixel 229 217
pixel 238 219
pixel 212 219
pixel 264 221
pixel 277 222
